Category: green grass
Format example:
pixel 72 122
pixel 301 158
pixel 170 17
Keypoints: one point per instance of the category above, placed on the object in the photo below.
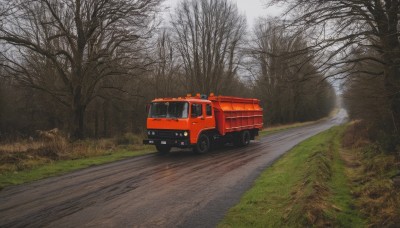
pixel 341 198
pixel 306 187
pixel 62 167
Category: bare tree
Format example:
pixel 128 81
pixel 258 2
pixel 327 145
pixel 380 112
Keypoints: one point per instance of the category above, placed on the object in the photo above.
pixel 338 28
pixel 166 70
pixel 208 35
pixel 364 96
pixel 73 50
pixel 285 76
pixel 5 9
pixel 364 92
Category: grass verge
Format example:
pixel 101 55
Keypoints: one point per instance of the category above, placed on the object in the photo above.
pixel 63 166
pixel 374 175
pixel 306 187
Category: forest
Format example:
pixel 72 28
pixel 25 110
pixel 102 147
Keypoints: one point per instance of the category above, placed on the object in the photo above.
pixel 76 77
pixel 89 67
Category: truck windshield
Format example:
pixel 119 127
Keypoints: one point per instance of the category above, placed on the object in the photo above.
pixel 169 110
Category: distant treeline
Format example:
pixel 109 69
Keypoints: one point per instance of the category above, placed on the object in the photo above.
pixel 89 67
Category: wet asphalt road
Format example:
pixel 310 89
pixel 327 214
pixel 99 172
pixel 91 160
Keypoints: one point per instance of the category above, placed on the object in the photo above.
pixel 179 190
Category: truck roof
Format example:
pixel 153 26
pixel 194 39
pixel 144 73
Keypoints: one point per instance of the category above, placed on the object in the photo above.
pixel 211 98
pixel 181 99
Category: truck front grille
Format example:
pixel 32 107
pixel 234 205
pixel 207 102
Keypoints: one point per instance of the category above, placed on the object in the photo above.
pixel 165 134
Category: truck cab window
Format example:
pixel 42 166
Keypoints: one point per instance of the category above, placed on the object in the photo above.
pixel 209 110
pixel 197 110
pixel 168 110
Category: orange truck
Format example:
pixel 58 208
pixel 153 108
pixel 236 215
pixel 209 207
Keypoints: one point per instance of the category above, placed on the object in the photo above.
pixel 201 122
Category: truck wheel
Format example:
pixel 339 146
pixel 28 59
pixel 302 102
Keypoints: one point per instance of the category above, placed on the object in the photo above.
pixel 163 149
pixel 242 138
pixel 245 139
pixel 203 144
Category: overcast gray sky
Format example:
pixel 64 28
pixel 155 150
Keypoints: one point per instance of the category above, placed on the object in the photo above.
pixel 251 8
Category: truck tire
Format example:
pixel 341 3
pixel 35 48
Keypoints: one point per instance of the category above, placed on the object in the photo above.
pixel 203 144
pixel 242 138
pixel 245 138
pixel 163 149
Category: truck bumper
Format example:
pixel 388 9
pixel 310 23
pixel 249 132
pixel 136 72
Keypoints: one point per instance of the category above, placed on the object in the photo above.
pixel 169 142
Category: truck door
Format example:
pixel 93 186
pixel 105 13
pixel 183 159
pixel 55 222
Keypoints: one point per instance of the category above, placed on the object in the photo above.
pixel 210 120
pixel 196 121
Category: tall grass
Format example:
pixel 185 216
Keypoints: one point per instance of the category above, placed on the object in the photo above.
pixel 373 173
pixel 28 154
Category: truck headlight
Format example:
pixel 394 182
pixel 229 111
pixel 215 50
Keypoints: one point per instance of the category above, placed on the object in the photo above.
pixel 153 133
pixel 148 132
pixel 185 133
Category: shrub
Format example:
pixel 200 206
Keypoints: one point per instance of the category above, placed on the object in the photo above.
pixel 128 138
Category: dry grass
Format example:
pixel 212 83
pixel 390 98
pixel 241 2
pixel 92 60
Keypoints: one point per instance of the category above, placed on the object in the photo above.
pixel 372 173
pixel 356 135
pixel 21 146
pixel 312 192
pixel 27 154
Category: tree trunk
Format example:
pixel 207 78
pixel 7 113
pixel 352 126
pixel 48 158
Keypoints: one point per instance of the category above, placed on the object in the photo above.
pixel 392 84
pixel 105 118
pixel 78 112
pixel 395 105
pixel 78 121
pixel 96 123
pixel 392 77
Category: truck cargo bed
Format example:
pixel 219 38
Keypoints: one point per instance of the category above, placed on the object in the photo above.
pixel 236 114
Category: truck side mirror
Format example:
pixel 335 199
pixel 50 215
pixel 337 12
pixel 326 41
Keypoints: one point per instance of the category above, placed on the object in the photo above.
pixel 147 108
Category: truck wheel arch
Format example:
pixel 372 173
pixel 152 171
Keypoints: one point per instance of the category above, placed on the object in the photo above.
pixel 209 132
pixel 201 148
